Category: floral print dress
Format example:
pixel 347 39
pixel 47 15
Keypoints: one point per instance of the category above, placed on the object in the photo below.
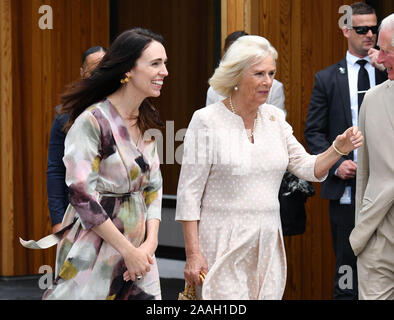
pixel 109 178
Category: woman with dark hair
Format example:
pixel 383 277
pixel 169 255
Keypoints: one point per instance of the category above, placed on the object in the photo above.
pixel 110 229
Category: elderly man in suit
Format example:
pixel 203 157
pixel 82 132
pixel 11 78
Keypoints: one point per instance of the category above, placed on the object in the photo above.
pixel 337 94
pixel 372 239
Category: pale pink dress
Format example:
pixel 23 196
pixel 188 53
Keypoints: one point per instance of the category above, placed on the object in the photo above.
pixel 231 186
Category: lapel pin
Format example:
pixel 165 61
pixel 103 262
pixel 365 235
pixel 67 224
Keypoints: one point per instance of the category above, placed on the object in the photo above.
pixel 342 70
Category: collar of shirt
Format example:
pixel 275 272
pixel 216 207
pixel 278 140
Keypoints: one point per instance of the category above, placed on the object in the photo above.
pixel 352 59
pixel 353 68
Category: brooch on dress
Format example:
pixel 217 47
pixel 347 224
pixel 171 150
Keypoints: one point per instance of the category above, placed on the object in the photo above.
pixel 272 118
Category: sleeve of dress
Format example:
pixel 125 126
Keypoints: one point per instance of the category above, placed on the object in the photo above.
pixel 56 186
pixel 301 163
pixel 194 171
pixel 82 160
pixel 153 192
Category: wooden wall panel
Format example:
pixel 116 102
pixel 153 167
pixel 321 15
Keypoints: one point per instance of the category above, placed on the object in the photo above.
pixel 36 64
pixel 43 62
pixel 6 147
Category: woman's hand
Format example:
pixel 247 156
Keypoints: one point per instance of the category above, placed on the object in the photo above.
pixel 137 261
pixel 149 247
pixel 195 261
pixel 138 264
pixel 348 141
pixel 195 264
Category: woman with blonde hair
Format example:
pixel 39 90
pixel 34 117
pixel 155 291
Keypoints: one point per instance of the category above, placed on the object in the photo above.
pixel 236 152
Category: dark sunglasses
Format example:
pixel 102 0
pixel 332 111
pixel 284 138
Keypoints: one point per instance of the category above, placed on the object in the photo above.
pixel 365 29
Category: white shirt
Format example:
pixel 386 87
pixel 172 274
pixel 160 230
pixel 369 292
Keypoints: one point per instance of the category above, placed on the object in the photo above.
pixel 353 67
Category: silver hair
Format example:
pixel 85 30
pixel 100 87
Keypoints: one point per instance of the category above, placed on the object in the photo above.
pixel 387 23
pixel 243 53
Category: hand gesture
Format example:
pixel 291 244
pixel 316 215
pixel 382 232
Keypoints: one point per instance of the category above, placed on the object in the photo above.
pixel 373 56
pixel 348 141
pixel 195 263
pixel 146 247
pixel 137 263
pixel 347 170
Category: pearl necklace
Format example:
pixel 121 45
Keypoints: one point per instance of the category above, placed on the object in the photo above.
pixel 249 133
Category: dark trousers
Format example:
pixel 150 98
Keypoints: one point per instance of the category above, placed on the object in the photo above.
pixel 342 223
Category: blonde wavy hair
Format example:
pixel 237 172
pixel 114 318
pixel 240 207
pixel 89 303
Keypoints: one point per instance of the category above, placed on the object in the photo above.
pixel 242 54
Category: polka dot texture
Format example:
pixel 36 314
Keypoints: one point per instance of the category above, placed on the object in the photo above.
pixel 231 186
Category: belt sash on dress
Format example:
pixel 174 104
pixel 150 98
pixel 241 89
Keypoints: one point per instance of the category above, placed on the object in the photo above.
pixel 54 238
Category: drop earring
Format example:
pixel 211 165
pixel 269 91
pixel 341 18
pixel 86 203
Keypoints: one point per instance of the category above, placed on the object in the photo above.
pixel 236 88
pixel 125 80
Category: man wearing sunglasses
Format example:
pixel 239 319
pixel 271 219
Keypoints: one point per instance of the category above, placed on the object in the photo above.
pixel 336 97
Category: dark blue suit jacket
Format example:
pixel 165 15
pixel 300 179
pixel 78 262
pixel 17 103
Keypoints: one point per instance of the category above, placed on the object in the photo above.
pixel 329 115
pixel 56 172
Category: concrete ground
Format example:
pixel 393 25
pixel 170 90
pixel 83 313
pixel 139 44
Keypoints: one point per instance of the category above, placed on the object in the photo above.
pixel 26 287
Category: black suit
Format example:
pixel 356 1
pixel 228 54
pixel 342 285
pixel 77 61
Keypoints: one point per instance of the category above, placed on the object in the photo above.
pixel 329 115
pixel 56 173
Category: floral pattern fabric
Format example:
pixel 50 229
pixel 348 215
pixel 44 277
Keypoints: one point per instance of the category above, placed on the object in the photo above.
pixel 109 177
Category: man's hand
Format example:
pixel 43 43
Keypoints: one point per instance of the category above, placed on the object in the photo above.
pixel 373 56
pixel 56 227
pixel 347 170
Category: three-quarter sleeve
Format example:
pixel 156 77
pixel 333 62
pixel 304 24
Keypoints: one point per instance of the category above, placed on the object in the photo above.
pixel 153 192
pixel 194 171
pixel 82 160
pixel 301 163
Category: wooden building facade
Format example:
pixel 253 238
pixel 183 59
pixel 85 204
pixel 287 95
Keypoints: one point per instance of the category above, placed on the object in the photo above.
pixel 37 63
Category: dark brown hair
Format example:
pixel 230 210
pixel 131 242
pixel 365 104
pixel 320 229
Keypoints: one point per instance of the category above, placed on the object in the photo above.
pixel 361 8
pixel 90 51
pixel 105 79
pixel 232 37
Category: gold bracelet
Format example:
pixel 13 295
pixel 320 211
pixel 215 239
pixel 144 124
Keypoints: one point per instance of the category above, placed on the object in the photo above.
pixel 341 153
